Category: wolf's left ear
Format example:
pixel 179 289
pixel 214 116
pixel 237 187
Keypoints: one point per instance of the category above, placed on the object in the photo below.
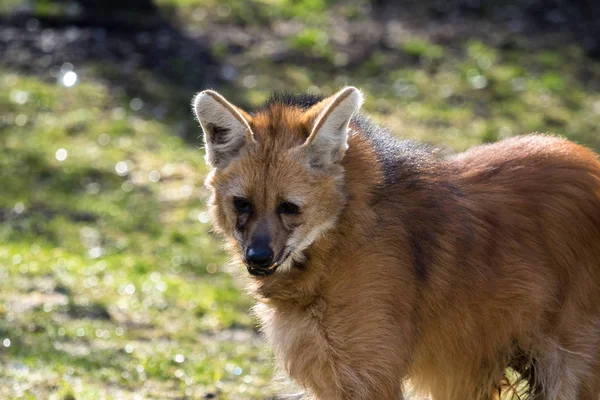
pixel 328 140
pixel 226 128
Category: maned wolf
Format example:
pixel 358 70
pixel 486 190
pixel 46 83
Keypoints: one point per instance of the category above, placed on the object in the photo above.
pixel 374 260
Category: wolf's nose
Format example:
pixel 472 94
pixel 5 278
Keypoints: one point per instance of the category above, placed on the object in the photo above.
pixel 259 256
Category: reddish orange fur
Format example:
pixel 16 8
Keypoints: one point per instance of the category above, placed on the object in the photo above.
pixel 439 277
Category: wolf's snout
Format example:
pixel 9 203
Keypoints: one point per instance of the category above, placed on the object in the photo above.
pixel 259 255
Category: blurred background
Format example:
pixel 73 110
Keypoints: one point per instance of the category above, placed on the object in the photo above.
pixel 111 284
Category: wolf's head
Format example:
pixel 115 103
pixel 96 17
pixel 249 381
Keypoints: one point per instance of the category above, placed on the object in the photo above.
pixel 276 180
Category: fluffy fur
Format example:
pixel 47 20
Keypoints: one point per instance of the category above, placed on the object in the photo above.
pixel 402 265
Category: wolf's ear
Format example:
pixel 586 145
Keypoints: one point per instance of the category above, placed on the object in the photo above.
pixel 226 129
pixel 328 140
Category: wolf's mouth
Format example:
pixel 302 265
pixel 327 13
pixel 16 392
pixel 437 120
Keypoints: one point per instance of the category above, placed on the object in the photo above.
pixel 262 272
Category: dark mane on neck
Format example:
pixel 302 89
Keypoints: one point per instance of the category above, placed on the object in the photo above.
pixel 301 100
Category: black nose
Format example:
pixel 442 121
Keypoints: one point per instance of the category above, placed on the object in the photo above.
pixel 259 256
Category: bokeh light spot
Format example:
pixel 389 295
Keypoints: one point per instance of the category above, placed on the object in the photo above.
pixel 19 97
pixel 61 154
pixel 103 139
pixel 179 358
pixel 21 120
pixel 154 176
pixel 69 79
pixel 121 168
pixel 136 104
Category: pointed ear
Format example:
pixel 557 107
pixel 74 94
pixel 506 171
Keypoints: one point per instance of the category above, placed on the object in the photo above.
pixel 328 140
pixel 226 128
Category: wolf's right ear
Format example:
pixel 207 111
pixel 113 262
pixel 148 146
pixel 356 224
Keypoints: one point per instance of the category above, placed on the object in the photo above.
pixel 226 128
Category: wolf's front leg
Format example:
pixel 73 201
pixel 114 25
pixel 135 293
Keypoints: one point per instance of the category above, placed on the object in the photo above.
pixel 355 374
pixel 400 396
pixel 330 371
pixel 360 352
pixel 345 394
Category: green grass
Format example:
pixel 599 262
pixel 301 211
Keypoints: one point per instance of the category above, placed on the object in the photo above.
pixel 423 48
pixel 107 277
pixel 112 285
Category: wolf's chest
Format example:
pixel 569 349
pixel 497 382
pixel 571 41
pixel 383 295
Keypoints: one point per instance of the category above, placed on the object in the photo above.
pixel 298 338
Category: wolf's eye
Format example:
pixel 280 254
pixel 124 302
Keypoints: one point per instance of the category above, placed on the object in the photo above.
pixel 288 208
pixel 242 205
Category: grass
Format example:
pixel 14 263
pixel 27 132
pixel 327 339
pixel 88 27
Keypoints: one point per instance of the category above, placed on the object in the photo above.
pixel 112 284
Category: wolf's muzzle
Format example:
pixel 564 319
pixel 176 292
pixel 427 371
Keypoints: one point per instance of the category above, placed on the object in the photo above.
pixel 259 258
pixel 269 270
